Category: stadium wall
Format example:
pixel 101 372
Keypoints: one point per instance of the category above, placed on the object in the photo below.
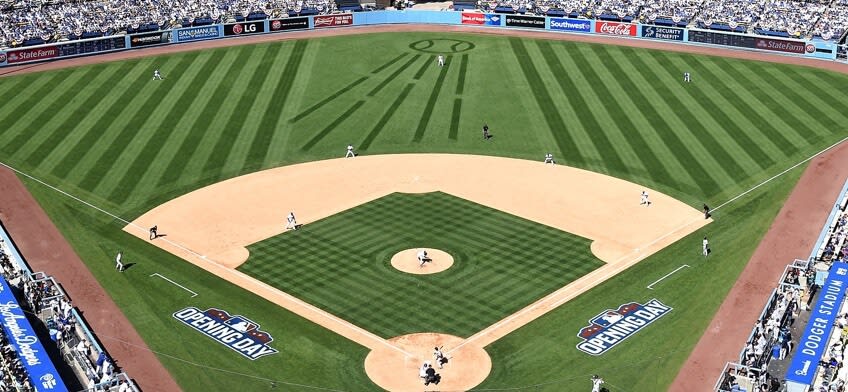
pixel 68 49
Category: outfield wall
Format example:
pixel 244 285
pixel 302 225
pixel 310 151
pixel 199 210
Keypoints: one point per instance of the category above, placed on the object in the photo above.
pixel 68 49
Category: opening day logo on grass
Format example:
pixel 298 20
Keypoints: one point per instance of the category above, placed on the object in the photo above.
pixel 611 327
pixel 236 332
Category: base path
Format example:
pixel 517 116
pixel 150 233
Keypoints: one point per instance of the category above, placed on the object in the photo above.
pixel 792 236
pixel 45 249
pixel 212 227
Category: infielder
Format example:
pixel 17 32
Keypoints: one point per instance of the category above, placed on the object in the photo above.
pixel 291 221
pixel 645 200
pixel 706 247
pixel 549 159
pixel 154 232
pixel 350 153
pixel 157 75
pixel 118 264
pixel 441 60
pixel 686 77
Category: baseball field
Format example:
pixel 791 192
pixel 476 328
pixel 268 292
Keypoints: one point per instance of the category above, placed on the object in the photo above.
pixel 109 135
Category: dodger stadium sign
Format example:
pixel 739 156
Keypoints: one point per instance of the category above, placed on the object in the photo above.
pixel 236 332
pixel 611 327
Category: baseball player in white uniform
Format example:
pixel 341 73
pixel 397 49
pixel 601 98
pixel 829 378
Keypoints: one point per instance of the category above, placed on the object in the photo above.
pixel 549 159
pixel 118 264
pixel 157 75
pixel 350 153
pixel 422 257
pixel 596 383
pixel 291 221
pixel 440 357
pixel 441 60
pixel 686 77
pixel 645 200
pixel 705 247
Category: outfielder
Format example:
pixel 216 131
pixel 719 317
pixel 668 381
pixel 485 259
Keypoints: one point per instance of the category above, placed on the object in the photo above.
pixel 441 60
pixel 157 75
pixel 549 159
pixel 291 221
pixel 706 247
pixel 597 381
pixel 118 265
pixel 686 77
pixel 350 153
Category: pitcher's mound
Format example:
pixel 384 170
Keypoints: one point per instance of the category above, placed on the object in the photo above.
pixel 397 370
pixel 407 261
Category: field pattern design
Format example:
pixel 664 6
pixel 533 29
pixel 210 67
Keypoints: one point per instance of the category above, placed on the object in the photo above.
pixel 341 264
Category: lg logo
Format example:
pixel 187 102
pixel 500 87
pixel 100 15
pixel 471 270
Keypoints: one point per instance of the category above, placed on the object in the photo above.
pixel 246 28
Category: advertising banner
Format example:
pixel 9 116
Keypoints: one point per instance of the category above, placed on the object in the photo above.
pixel 576 25
pixel 198 33
pixel 244 28
pixel 34 54
pixel 298 23
pixel 779 45
pixel 157 38
pixel 2 57
pixel 664 33
pixel 332 20
pixel 473 18
pixel 533 22
pixel 87 46
pixel 817 332
pixel 26 344
pixel 822 50
pixel 615 28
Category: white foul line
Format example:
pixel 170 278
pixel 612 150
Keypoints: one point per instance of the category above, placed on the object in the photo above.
pixel 667 275
pixel 177 284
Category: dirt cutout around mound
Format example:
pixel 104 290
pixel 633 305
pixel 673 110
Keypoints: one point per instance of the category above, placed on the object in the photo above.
pixel 212 226
pixel 407 261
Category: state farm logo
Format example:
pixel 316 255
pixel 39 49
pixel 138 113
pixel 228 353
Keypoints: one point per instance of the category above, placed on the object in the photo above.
pixel 613 28
pixel 33 54
pixel 781 46
pixel 810 48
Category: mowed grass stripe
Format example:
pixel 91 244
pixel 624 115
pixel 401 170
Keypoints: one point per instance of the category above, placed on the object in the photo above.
pixel 145 158
pixel 17 110
pixel 753 95
pixel 228 64
pixel 246 93
pixel 79 119
pixel 456 117
pixel 97 130
pixel 387 115
pixel 389 63
pixel 332 125
pixel 24 89
pixel 714 138
pixel 463 70
pixel 556 125
pixel 801 84
pixel 825 83
pixel 422 69
pixel 328 99
pixel 679 144
pixel 817 123
pixel 270 118
pixel 52 103
pixel 117 156
pixel 385 82
pixel 617 114
pixel 427 114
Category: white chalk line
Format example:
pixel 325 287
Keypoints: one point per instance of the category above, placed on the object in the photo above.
pixel 667 275
pixel 193 294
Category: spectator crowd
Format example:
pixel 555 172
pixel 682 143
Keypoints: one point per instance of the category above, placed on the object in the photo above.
pixel 30 22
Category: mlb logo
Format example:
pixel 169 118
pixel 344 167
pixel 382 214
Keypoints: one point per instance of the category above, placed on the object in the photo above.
pixel 607 318
pixel 241 324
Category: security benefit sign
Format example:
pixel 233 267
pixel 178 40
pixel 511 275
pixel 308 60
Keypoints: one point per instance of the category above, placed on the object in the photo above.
pixel 244 28
pixel 611 327
pixel 816 335
pixel 665 33
pixel 236 332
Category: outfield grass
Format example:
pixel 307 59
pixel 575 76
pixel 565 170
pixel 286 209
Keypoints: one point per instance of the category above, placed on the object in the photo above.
pixel 108 134
pixel 501 264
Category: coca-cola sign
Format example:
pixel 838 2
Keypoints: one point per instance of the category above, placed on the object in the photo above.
pixel 332 20
pixel 780 45
pixel 24 55
pixel 615 28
